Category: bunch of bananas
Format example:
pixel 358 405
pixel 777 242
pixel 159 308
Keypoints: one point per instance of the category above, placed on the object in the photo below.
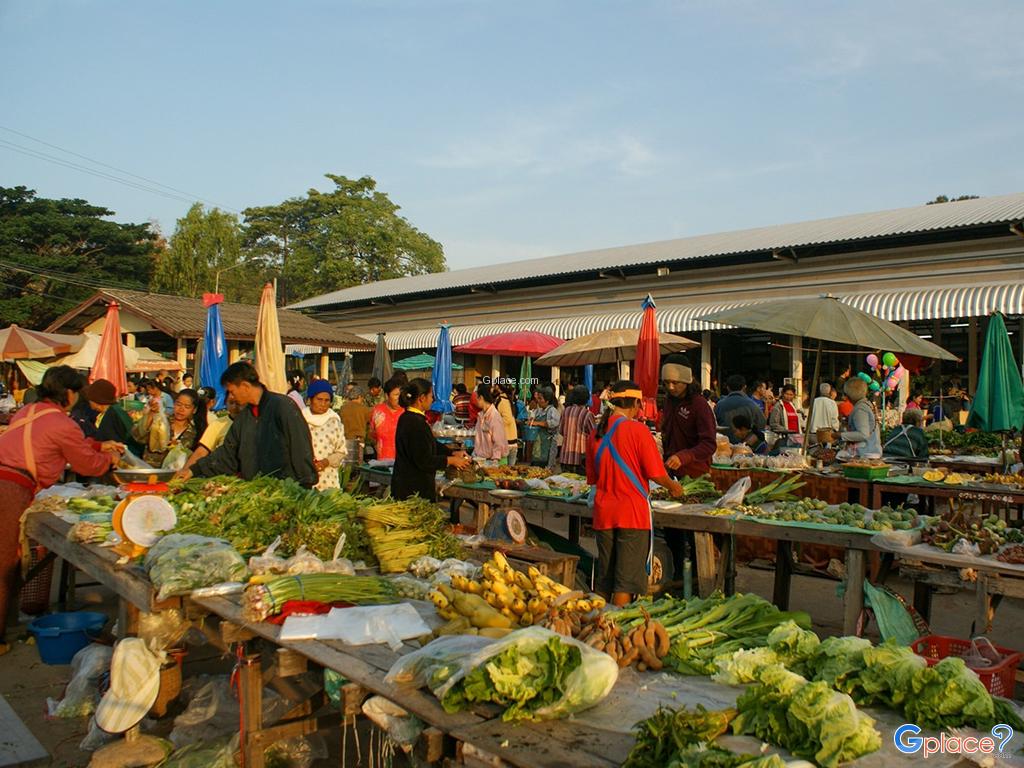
pixel 523 598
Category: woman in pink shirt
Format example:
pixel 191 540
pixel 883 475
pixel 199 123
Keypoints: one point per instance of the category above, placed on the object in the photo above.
pixel 490 441
pixel 41 440
pixel 384 420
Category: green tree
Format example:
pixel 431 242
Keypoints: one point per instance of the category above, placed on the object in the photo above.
pixel 204 254
pixel 55 253
pixel 331 240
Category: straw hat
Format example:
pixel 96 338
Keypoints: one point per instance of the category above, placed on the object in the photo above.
pixel 134 685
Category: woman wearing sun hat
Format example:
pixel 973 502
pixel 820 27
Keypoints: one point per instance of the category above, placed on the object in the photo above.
pixel 113 421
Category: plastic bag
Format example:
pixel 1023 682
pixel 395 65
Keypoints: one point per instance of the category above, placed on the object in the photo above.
pixel 410 587
pixel 212 712
pixel 268 562
pixel 366 625
pixel 437 660
pixel 423 567
pixel 176 457
pixel 734 496
pixel 163 629
pixel 179 563
pixel 584 686
pixel 337 563
pixel 401 727
pixel 304 561
pixel 81 693
pixel 296 752
pixel 159 432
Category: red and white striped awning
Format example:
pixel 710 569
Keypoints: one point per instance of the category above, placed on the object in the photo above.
pixel 895 305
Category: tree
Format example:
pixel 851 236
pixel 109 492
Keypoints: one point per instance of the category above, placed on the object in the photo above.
pixel 55 253
pixel 331 240
pixel 946 199
pixel 205 253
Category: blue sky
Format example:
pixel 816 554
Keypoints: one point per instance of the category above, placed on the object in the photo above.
pixel 511 130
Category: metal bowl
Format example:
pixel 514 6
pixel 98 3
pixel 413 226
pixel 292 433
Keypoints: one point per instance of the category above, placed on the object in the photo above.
pixel 506 493
pixel 146 476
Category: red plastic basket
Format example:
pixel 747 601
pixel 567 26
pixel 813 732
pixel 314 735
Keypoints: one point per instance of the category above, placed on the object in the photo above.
pixel 35 594
pixel 999 679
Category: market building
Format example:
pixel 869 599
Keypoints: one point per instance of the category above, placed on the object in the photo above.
pixel 938 270
pixel 174 325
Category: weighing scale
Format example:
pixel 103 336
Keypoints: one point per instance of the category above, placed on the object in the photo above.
pixel 144 516
pixel 506 522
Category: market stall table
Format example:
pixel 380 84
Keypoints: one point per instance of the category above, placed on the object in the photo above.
pixel 710 574
pixel 993 498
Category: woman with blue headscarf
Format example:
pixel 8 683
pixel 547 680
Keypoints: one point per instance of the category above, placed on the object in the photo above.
pixel 326 432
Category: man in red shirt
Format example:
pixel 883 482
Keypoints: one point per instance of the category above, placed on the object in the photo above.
pixel 622 460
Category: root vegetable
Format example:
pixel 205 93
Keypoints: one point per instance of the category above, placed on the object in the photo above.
pixel 663 643
pixel 628 658
pixel 641 667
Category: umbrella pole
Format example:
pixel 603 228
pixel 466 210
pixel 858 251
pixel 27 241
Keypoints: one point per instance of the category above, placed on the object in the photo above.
pixel 814 388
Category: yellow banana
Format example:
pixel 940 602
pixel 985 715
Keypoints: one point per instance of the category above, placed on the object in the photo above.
pixel 448 612
pixel 597 602
pixel 447 591
pixel 583 606
pixel 522 580
pixel 438 599
pixel 474 587
pixel 500 560
pixel 492 599
pixel 518 607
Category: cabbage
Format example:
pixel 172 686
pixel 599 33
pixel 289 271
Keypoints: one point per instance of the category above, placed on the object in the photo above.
pixel 793 644
pixel 948 695
pixel 743 666
pixel 838 661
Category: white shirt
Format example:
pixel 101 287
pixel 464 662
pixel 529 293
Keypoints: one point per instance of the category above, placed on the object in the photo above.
pixel 824 414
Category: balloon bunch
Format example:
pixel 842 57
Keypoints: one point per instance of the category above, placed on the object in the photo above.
pixel 885 373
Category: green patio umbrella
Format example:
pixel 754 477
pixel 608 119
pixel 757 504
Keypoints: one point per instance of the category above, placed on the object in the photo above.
pixel 998 404
pixel 421 362
pixel 525 375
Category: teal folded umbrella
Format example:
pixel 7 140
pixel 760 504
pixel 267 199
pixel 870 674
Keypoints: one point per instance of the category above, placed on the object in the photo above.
pixel 998 404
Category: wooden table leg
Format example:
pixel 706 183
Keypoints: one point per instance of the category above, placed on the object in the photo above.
pixel 853 598
pixel 707 565
pixel 575 523
pixel 923 599
pixel 453 511
pixel 729 563
pixel 481 516
pixel 251 696
pixel 127 618
pixel 783 574
pixel 876 497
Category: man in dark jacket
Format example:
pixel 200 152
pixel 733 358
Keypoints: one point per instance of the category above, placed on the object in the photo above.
pixel 688 425
pixel 737 402
pixel 268 437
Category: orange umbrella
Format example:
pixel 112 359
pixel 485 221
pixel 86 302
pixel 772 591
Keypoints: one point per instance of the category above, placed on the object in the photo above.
pixel 22 344
pixel 109 363
pixel 269 352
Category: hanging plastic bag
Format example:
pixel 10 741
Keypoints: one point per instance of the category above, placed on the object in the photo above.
pixel 159 432
pixel 268 562
pixel 402 727
pixel 176 457
pixel 337 563
pixel 734 496
pixel 82 692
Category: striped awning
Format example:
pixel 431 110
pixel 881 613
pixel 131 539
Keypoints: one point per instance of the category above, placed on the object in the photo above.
pixel 896 305
pixel 309 349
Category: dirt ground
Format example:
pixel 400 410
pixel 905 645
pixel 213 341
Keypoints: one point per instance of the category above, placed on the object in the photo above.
pixel 25 682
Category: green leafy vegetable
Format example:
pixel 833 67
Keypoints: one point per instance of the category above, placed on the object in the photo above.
pixel 948 695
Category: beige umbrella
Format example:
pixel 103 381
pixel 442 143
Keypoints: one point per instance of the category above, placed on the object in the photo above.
pixel 611 346
pixel 23 344
pixel 85 357
pixel 269 352
pixel 826 318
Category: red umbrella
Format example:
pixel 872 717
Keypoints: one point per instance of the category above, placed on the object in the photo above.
pixel 646 369
pixel 514 344
pixel 109 363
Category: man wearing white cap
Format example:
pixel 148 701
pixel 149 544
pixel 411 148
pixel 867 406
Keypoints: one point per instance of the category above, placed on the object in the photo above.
pixel 688 425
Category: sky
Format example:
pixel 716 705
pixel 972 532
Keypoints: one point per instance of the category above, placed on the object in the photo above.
pixel 510 130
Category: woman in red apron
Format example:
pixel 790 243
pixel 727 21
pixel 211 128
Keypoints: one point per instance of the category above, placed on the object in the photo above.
pixel 622 460
pixel 41 440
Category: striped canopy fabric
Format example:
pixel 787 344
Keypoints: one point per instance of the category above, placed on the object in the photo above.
pixel 22 344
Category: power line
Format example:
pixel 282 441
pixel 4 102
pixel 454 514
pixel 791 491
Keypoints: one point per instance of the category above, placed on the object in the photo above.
pixel 91 171
pixel 113 167
pixel 9 145
pixel 63 277
pixel 37 292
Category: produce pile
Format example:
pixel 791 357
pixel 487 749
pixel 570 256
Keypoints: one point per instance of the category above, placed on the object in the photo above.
pixel 519 599
pixel 946 477
pixel 965 443
pixel 266 596
pixel 808 718
pixel 683 737
pixel 782 489
pixel 643 642
pixel 402 531
pixel 1010 480
pixel 252 513
pixel 701 629
pixel 887 518
pixel 947 695
pixel 696 490
pixel 533 674
pixel 178 564
pixel 987 533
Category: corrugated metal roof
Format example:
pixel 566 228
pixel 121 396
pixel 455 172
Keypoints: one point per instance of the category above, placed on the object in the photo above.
pixel 183 317
pixel 924 304
pixel 840 229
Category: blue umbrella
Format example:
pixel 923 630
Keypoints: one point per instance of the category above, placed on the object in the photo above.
pixel 215 350
pixel 588 378
pixel 442 375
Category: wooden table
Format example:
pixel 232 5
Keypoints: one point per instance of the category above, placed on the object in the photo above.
pixel 993 499
pixel 129 582
pixel 827 486
pixel 711 574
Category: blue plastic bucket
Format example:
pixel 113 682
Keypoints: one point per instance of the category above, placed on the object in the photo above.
pixel 59 636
